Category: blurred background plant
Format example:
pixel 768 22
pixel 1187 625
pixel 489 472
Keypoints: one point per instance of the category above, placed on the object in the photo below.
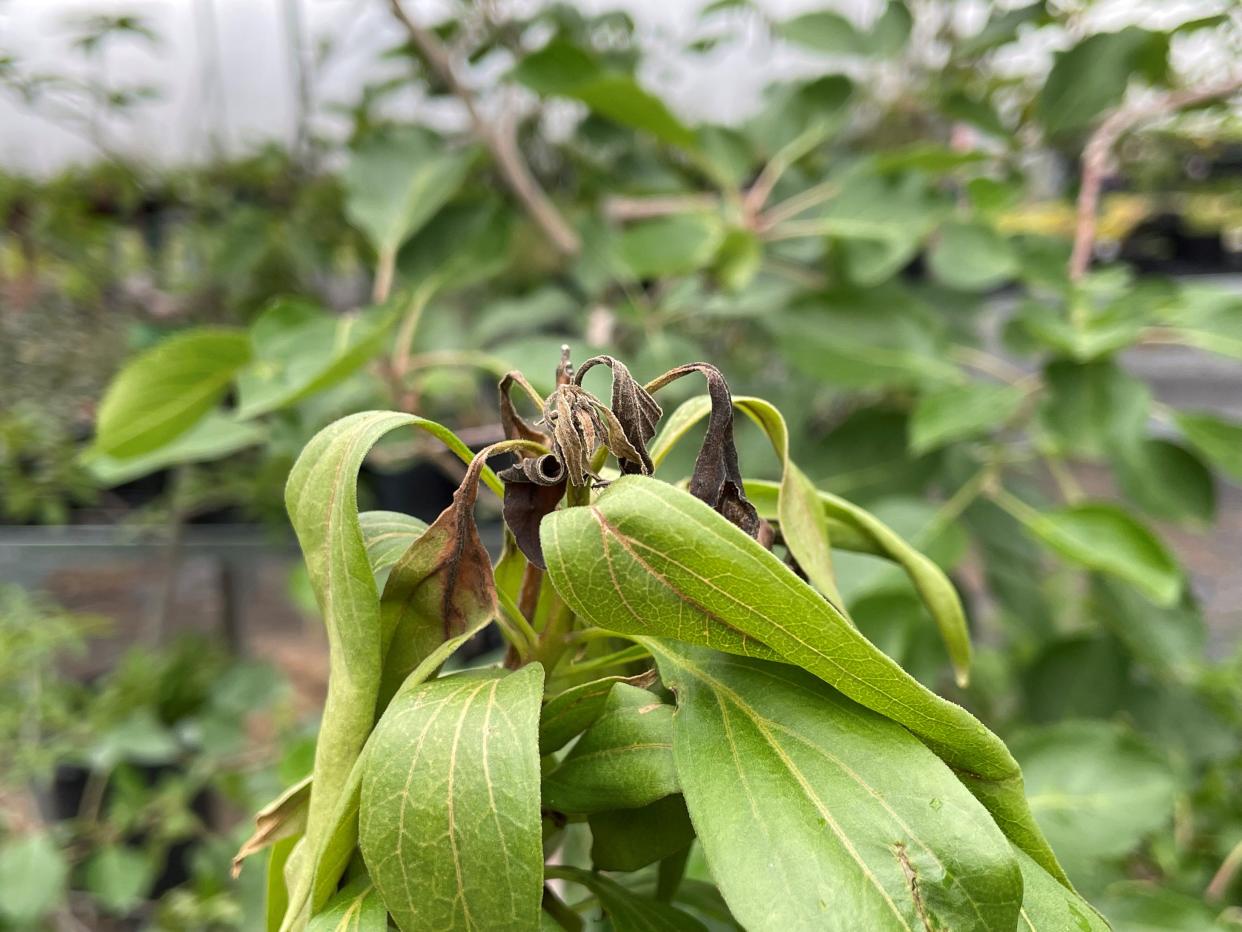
pixel 984 257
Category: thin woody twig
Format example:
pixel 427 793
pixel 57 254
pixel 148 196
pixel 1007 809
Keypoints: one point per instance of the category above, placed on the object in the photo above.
pixel 500 141
pixel 621 209
pixel 1099 147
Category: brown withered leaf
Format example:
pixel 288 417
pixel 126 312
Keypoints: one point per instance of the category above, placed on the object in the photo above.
pixel 441 586
pixel 514 425
pixel 635 411
pixel 717 478
pixel 284 817
pixel 533 489
pixel 572 416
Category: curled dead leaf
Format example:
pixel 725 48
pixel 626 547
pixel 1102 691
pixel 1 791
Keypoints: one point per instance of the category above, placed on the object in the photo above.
pixel 717 477
pixel 634 410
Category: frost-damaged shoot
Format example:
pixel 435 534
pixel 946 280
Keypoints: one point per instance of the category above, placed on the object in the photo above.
pixel 688 731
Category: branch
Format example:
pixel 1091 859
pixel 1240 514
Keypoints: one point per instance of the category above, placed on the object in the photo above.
pixel 619 208
pixel 1095 157
pixel 501 142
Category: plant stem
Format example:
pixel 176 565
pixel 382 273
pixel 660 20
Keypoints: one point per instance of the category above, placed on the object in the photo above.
pixel 1224 874
pixel 501 142
pixel 1099 147
pixel 385 272
pixel 564 916
pixel 626 655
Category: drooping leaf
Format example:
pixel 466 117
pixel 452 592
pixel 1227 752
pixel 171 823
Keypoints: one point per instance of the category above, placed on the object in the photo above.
pixel 623 761
pixel 890 33
pixel 627 911
pixel 816 813
pixel 569 713
pixel 397 182
pixel 214 437
pixel 717 477
pixel 357 908
pixel 1169 640
pixel 635 409
pixel 440 588
pixel 804 528
pixel 959 412
pixel 533 489
pixel 1216 438
pixel 300 349
pixel 856 529
pixel 645 543
pixel 163 392
pixel 1096 789
pixel 321 497
pixel 449 825
pixel 284 817
pixel 387 535
pixel 629 839
pixel 1105 538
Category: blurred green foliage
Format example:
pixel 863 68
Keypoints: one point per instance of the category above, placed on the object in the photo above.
pixel 878 250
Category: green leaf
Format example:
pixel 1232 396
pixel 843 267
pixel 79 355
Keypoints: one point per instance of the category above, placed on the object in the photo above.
pixel 824 31
pixel 569 713
pixel 972 257
pixel 864 347
pixel 301 349
pixel 32 875
pixel 1092 77
pixel 397 182
pixel 1048 906
pixel 357 908
pixel 1142 906
pixel 675 245
pixel 645 543
pixel 1003 27
pixel 628 839
pixel 162 393
pixel 816 813
pixel 804 528
pixel 1167 481
pixel 1076 677
pixel 214 437
pixel 623 761
pixel 891 31
pixel 450 825
pixel 1096 789
pixel 119 877
pixel 627 911
pixel 1216 438
pixel 960 412
pixel 1105 538
pixel 315 870
pixel 1093 409
pixel 562 69
pixel 322 499
pixel 463 244
pixel 388 535
pixel 1169 640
